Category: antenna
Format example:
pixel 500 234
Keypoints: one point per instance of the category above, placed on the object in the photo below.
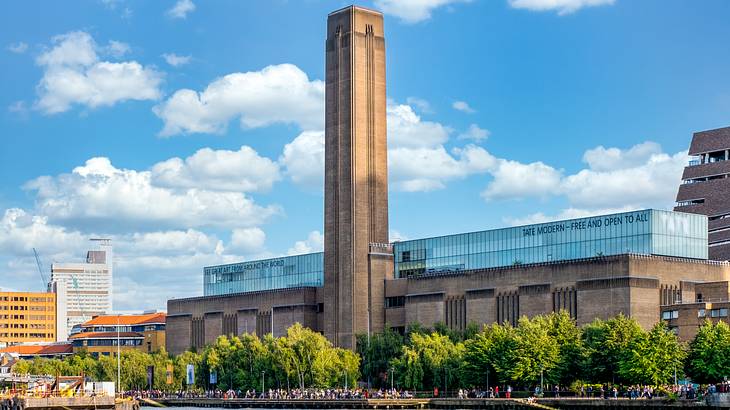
pixel 40 267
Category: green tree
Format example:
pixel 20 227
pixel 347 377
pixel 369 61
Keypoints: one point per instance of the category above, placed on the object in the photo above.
pixel 653 357
pixel 429 360
pixel 572 353
pixel 709 353
pixel 535 351
pixel 377 357
pixel 606 343
pixel 181 363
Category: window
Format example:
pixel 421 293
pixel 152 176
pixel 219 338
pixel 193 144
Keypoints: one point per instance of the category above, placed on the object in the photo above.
pixel 699 298
pixel 395 302
pixel 723 312
pixel 670 314
pixel 701 313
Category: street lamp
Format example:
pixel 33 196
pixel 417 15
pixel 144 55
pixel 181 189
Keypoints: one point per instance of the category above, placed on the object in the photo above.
pixel 263 373
pixel 392 375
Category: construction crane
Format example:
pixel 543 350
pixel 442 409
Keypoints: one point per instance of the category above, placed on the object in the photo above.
pixel 40 267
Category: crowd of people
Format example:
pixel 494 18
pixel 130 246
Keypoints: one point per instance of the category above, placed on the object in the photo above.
pixel 635 392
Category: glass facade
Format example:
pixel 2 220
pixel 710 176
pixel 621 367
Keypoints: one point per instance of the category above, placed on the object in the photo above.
pixel 643 232
pixel 649 232
pixel 277 273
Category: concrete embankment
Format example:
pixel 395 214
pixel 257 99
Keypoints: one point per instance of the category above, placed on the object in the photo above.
pixel 507 404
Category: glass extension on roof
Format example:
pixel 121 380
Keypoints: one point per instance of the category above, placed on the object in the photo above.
pixel 267 274
pixel 644 232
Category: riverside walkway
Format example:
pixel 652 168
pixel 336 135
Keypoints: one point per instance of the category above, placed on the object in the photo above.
pixel 425 403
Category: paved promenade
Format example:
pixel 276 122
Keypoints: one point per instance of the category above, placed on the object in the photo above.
pixel 426 403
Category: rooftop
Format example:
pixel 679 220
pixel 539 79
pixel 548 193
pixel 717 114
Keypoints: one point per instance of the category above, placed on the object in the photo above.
pixel 39 349
pixel 113 320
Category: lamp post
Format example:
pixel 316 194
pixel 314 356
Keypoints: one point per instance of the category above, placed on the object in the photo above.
pixel 392 375
pixel 119 366
pixel 263 374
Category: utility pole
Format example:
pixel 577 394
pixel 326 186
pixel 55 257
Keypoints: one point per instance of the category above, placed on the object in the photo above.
pixel 119 365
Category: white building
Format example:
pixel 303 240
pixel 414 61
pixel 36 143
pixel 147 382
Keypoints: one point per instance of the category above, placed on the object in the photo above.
pixel 88 285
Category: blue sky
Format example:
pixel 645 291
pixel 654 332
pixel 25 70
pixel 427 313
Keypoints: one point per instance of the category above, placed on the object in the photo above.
pixel 190 132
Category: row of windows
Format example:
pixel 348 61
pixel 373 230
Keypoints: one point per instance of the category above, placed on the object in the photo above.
pixel 395 301
pixel 714 313
pixel 125 328
pixel 107 342
pixel 27 335
pixel 25 326
pixel 23 317
pixel 721 312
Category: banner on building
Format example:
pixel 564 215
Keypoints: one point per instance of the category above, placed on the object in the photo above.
pixel 213 377
pixel 150 377
pixel 168 374
pixel 190 379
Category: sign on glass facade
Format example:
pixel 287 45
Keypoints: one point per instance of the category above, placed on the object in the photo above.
pixel 279 273
pixel 642 232
pixel 649 232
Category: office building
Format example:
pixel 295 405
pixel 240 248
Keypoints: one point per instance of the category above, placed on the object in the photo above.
pixel 636 263
pixel 100 335
pixel 27 317
pixel 88 284
pixel 705 187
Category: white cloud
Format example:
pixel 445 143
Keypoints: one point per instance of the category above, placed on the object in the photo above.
pixel 109 198
pixel 515 180
pixel 117 48
pixel 303 159
pixel 652 183
pixel 609 159
pixel 406 129
pixel 313 243
pixel 21 231
pixel 563 7
pixel 421 104
pixel 18 107
pixel 638 177
pixel 418 160
pixel 176 60
pixel 413 11
pixel 18 48
pixel 167 243
pixel 429 168
pixel 396 236
pixel 73 74
pixel 248 240
pixel 462 106
pixel 218 170
pixel 181 9
pixel 474 132
pixel 277 94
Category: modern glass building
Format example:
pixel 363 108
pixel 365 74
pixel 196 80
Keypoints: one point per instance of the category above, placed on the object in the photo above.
pixel 649 232
pixel 643 232
pixel 278 273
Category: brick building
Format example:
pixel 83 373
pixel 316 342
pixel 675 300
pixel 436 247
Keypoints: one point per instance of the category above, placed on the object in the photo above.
pixel 705 187
pixel 596 267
